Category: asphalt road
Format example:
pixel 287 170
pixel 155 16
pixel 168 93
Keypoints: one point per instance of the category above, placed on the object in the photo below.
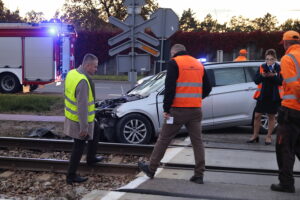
pixel 104 89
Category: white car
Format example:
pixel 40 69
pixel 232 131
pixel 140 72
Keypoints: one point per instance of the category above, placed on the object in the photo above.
pixel 142 80
pixel 137 117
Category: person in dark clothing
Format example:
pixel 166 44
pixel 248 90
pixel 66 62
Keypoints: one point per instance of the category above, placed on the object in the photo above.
pixel 268 95
pixel 170 83
pixel 186 85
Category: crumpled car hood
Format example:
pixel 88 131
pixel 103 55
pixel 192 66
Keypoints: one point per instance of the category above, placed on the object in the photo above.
pixel 112 103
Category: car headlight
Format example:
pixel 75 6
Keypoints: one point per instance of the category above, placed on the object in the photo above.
pixel 114 112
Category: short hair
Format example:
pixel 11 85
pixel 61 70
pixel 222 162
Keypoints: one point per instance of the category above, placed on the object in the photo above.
pixel 177 48
pixel 271 52
pixel 88 58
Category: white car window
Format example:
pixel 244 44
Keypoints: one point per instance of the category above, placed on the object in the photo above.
pixel 153 84
pixel 229 76
pixel 250 73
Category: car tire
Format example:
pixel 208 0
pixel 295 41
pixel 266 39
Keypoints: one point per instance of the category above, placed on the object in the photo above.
pixel 134 129
pixel 9 83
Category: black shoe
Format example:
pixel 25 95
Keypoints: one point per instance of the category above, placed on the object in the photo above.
pixel 94 160
pixel 268 142
pixel 76 179
pixel 145 168
pixel 281 188
pixel 253 140
pixel 197 179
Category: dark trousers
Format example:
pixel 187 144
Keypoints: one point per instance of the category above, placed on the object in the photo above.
pixel 191 118
pixel 287 144
pixel 77 151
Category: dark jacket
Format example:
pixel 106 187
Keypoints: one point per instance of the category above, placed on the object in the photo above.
pixel 170 83
pixel 270 85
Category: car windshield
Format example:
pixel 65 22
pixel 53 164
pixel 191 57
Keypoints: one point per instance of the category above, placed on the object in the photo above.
pixel 149 86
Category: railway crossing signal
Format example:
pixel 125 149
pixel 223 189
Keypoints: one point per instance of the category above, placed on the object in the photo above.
pixel 163 23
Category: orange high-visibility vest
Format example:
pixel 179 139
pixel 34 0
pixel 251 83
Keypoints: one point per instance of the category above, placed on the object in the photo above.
pixel 290 70
pixel 259 86
pixel 240 58
pixel 189 82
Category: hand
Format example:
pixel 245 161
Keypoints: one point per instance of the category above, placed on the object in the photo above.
pixel 271 74
pixel 166 115
pixel 83 134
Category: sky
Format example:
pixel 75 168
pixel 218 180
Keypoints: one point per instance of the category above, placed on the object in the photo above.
pixel 222 10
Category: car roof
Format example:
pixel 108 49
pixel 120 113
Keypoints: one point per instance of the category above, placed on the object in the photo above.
pixel 249 63
pixel 234 64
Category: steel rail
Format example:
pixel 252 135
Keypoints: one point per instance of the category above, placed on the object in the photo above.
pixel 61 166
pixel 240 170
pixel 66 145
pixel 110 148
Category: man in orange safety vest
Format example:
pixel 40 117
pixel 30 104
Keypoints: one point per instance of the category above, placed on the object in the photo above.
pixel 288 131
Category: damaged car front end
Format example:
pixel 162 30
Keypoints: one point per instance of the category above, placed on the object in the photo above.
pixel 106 115
pixel 132 118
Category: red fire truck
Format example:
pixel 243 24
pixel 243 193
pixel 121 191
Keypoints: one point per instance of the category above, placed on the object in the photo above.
pixel 34 54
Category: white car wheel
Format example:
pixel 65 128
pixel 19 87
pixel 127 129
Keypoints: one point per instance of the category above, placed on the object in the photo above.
pixel 134 129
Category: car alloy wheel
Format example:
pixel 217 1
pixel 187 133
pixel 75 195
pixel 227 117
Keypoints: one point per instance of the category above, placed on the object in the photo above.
pixel 134 129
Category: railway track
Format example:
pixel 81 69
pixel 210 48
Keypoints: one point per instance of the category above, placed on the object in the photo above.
pixel 66 145
pixel 113 148
pixel 60 166
pixel 54 165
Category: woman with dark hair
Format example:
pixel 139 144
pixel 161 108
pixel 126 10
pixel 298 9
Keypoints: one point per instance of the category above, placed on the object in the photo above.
pixel 268 95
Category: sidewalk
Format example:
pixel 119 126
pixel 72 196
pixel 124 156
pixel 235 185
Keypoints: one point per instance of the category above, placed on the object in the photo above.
pixel 33 118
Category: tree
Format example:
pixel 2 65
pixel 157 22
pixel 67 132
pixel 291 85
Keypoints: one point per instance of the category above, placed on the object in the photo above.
pixel 33 16
pixel 94 14
pixel 187 21
pixel 117 9
pixel 290 24
pixel 240 24
pixel 8 16
pixel 83 14
pixel 211 25
pixel 266 24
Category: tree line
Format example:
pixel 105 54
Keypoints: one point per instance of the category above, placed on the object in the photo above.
pixel 267 23
pixel 92 15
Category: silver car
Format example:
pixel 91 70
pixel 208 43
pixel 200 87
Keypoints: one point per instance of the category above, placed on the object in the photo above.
pixel 137 117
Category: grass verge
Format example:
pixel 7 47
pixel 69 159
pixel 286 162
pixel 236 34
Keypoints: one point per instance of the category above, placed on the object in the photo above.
pixel 30 102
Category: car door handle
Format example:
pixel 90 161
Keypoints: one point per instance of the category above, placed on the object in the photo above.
pixel 251 88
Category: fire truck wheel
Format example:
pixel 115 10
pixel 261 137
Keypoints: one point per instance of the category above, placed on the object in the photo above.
pixel 9 83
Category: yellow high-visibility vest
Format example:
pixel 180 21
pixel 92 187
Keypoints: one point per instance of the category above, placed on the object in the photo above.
pixel 71 108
